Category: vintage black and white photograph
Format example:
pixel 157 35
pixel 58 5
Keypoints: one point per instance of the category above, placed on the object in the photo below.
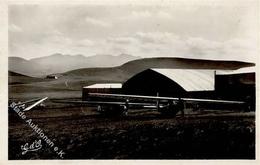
pixel 146 81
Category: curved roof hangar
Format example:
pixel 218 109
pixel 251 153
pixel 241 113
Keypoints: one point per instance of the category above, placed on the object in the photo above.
pixel 169 81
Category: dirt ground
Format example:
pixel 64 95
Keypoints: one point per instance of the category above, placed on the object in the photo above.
pixel 82 133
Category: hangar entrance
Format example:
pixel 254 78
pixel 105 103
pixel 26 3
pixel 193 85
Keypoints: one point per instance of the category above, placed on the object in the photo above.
pixel 169 82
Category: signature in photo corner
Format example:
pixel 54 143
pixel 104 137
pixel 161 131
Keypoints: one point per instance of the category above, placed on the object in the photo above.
pixel 35 146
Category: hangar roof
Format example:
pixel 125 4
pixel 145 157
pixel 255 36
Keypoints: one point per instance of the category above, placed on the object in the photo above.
pixel 190 79
pixel 105 85
pixel 238 71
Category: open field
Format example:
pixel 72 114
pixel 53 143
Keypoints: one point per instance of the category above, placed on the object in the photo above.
pixel 84 134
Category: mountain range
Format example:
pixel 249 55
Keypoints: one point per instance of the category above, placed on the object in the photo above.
pixel 59 63
pixel 108 67
pixel 77 78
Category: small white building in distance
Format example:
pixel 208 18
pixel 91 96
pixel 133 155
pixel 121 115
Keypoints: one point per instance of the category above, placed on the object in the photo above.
pixel 101 88
pixel 51 77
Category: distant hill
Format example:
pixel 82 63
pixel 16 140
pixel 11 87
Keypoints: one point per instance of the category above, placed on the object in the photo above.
pixel 77 78
pixel 74 80
pixel 10 73
pixel 58 63
pixel 182 63
pixel 17 78
pixel 125 71
pixel 22 66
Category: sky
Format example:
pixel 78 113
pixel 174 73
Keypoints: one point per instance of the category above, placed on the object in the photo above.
pixel 203 31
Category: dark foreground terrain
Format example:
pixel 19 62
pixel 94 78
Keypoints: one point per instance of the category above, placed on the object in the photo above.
pixel 83 134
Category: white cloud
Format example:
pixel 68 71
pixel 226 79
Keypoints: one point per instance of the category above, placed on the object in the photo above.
pixel 156 37
pixel 162 44
pixel 97 22
pixel 196 42
pixel 56 37
pixel 121 40
pixel 146 14
pixel 87 42
pixel 189 31
pixel 158 44
pixel 141 14
pixel 84 43
pixel 14 28
pixel 164 15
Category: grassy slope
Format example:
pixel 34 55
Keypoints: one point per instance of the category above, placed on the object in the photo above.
pixel 74 80
pixel 125 71
pixel 17 78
